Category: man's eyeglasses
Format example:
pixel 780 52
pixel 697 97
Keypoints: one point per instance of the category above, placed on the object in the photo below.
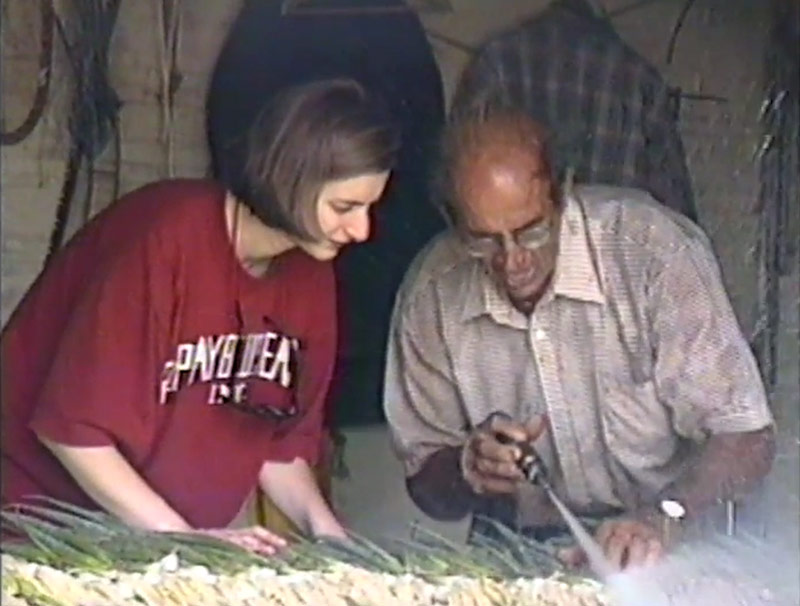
pixel 531 238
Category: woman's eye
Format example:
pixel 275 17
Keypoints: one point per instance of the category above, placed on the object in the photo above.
pixel 342 208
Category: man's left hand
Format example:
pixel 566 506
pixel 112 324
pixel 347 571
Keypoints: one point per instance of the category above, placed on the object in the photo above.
pixel 630 542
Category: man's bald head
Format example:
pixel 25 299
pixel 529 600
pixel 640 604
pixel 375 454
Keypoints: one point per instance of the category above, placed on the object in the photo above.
pixel 503 199
pixel 501 140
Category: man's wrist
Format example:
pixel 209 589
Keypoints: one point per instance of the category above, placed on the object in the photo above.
pixel 665 516
pixel 675 501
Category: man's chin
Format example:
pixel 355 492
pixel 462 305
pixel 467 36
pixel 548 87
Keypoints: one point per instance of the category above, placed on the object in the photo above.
pixel 527 298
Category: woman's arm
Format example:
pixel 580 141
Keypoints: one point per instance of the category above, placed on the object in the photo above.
pixel 110 480
pixel 294 489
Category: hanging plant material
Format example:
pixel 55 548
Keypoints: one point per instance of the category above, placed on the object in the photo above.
pixel 93 119
pixel 20 133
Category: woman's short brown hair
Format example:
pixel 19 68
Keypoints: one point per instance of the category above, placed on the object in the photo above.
pixel 308 135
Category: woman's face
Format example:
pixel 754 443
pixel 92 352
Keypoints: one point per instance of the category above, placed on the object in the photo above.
pixel 343 210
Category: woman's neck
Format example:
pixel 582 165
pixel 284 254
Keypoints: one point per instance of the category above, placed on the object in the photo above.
pixel 255 243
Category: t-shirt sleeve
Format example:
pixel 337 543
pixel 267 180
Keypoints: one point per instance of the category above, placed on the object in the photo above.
pixel 101 387
pixel 317 357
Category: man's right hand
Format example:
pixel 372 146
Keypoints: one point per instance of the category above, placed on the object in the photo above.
pixel 255 538
pixel 489 457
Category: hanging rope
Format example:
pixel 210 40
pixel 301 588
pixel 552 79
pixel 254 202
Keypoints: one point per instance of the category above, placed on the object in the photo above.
pixel 169 16
pixel 47 15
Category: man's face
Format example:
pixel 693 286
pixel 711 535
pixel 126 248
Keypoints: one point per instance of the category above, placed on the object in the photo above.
pixel 510 221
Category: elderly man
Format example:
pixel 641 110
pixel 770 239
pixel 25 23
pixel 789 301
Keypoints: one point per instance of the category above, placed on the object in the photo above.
pixel 590 322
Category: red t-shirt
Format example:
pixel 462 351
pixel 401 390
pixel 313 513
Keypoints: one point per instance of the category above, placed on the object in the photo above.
pixel 138 330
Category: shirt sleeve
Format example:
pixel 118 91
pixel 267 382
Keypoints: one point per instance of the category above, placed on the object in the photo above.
pixel 304 438
pixel 101 387
pixel 422 404
pixel 704 369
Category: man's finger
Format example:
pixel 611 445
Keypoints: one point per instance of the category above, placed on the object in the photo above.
pixel 510 429
pixel 495 485
pixel 603 534
pixel 487 447
pixel 655 550
pixel 616 549
pixel 638 549
pixel 506 471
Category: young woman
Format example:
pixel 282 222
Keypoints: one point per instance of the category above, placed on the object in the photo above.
pixel 177 353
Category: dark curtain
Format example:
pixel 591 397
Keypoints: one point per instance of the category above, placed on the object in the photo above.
pixel 388 53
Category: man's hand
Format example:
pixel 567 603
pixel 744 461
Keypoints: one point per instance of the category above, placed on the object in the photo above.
pixel 489 457
pixel 255 538
pixel 630 542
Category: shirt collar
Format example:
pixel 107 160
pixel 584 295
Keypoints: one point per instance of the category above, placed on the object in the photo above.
pixel 576 274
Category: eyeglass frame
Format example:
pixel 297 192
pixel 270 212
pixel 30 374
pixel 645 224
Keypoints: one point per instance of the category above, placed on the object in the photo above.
pixel 532 238
pixel 545 230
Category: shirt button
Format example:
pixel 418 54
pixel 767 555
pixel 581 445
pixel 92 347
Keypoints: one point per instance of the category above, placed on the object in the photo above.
pixel 539 335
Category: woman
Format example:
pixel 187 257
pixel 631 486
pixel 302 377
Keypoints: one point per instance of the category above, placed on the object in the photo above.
pixel 177 353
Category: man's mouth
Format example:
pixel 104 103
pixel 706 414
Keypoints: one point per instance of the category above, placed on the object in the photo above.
pixel 522 281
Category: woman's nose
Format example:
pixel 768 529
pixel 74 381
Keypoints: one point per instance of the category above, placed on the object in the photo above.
pixel 357 227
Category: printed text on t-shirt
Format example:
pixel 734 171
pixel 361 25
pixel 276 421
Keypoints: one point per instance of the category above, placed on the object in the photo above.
pixel 218 359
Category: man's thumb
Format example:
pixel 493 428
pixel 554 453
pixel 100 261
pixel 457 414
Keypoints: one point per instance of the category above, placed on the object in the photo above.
pixel 537 426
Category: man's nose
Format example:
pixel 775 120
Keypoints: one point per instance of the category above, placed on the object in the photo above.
pixel 357 227
pixel 515 257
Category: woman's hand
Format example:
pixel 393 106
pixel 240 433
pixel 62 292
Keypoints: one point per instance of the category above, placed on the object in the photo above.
pixel 328 528
pixel 255 538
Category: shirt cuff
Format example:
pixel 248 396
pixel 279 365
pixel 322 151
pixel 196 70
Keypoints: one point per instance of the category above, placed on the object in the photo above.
pixel 739 423
pixel 294 447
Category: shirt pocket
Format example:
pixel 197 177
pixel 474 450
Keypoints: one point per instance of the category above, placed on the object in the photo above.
pixel 637 427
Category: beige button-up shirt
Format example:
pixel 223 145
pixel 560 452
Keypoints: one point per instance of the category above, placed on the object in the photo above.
pixel 635 353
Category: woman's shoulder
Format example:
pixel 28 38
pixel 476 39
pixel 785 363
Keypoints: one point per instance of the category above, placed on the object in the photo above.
pixel 171 205
pixel 172 197
pixel 175 213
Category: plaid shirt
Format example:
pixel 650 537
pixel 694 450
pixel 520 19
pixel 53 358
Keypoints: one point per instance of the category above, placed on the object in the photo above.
pixel 638 352
pixel 612 116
